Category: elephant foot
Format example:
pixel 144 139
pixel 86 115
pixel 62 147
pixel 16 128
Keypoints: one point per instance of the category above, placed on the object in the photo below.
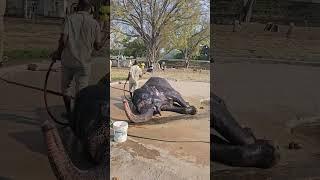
pixel 249 132
pixel 261 154
pixel 191 110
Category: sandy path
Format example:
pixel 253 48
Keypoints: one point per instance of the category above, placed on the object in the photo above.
pixel 145 159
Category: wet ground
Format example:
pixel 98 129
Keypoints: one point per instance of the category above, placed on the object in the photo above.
pixel 279 102
pixel 23 152
pixel 156 159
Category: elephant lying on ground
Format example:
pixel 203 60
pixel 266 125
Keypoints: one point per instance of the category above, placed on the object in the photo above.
pixel 238 146
pixel 89 125
pixel 154 96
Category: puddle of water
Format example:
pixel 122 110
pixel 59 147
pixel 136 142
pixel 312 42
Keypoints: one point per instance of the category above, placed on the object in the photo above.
pixel 137 149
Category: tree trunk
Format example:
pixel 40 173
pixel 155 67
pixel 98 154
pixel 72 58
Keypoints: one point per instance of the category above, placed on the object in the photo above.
pixel 246 12
pixel 152 56
pixel 186 58
pixel 249 10
pixel 2 12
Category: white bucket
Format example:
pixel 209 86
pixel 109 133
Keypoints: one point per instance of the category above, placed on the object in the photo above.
pixel 120 129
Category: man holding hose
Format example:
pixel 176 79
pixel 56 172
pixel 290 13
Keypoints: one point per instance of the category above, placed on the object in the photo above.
pixel 80 36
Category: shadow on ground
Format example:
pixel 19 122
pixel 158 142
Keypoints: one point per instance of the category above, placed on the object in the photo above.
pixel 5 178
pixel 19 119
pixel 71 143
pixel 165 120
pixel 33 139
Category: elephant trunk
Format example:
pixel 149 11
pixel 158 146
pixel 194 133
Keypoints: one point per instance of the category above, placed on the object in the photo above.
pixel 262 154
pixel 61 163
pixel 137 118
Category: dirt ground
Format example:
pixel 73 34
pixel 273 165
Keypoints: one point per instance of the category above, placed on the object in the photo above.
pixel 24 154
pixel 253 42
pixel 182 74
pixel 22 34
pixel 279 102
pixel 149 159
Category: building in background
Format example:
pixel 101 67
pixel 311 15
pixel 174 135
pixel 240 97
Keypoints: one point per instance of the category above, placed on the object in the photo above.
pixel 46 8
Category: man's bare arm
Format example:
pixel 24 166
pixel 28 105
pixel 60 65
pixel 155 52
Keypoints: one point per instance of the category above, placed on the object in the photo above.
pixel 57 54
pixel 99 44
pixel 61 43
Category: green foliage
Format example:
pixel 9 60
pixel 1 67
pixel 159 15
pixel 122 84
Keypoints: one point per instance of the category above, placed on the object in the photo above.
pixel 104 12
pixel 114 52
pixel 178 55
pixel 204 53
pixel 135 48
pixel 187 36
pixel 28 53
pixel 154 21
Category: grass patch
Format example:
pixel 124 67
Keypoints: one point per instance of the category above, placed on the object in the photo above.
pixel 121 74
pixel 23 54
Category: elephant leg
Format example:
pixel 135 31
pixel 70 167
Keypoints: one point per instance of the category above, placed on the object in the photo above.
pixel 262 154
pixel 181 110
pixel 176 97
pixel 226 125
pixel 218 139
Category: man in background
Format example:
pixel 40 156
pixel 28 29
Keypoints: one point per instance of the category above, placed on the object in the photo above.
pixel 2 12
pixel 80 36
pixel 142 65
pixel 134 75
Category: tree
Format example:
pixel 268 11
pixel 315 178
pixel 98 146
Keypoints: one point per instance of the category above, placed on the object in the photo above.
pixel 102 15
pixel 2 11
pixel 149 19
pixel 116 41
pixel 188 36
pixel 135 48
pixel 246 11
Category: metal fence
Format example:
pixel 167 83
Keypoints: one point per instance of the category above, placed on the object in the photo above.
pixel 169 63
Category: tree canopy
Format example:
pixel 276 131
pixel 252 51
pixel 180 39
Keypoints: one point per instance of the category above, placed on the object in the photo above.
pixel 154 21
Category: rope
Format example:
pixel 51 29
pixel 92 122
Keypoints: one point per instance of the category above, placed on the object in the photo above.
pixel 124 90
pixel 120 89
pixel 45 97
pixel 30 87
pixel 171 141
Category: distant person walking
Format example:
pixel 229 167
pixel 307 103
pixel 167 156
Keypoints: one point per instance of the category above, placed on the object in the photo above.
pixel 2 12
pixel 80 35
pixel 134 75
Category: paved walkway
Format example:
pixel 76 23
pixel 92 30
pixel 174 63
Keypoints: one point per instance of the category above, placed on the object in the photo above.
pixel 21 114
